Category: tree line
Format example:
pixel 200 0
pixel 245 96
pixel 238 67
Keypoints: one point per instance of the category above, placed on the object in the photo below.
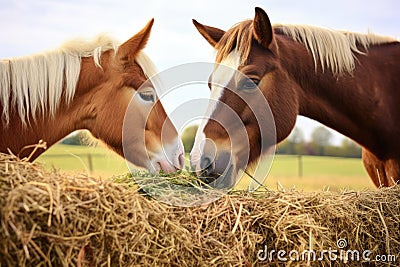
pixel 320 143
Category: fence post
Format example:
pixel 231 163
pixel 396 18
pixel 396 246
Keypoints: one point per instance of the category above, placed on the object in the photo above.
pixel 90 162
pixel 300 165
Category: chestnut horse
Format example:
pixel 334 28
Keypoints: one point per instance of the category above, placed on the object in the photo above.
pixel 88 85
pixel 347 81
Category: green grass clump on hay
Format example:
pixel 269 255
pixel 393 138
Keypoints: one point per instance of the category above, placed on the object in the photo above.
pixel 181 188
pixel 180 177
pixel 54 219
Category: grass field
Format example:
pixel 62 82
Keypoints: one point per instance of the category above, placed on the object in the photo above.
pixel 105 163
pixel 318 173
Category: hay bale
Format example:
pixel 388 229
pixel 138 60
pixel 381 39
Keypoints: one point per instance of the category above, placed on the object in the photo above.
pixel 54 219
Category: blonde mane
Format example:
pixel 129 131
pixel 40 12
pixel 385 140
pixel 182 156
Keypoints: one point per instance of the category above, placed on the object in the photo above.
pixel 333 49
pixel 36 84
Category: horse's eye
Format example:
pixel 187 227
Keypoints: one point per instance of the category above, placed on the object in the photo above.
pixel 249 84
pixel 147 96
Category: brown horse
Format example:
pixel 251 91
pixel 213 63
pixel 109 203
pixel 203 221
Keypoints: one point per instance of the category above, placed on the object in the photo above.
pixel 347 81
pixel 88 85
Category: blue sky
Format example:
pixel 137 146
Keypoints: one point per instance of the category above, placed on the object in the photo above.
pixel 31 26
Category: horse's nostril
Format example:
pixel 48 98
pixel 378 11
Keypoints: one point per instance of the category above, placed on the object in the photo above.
pixel 181 161
pixel 207 167
pixel 205 163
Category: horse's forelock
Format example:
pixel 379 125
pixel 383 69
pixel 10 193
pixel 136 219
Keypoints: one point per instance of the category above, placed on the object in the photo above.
pixel 238 38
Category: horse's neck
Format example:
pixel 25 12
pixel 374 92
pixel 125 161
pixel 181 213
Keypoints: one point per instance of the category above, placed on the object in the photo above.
pixel 353 104
pixel 20 139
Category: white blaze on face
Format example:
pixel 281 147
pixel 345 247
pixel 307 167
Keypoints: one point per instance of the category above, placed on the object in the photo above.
pixel 222 75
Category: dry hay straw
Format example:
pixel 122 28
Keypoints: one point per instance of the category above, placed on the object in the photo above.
pixel 53 219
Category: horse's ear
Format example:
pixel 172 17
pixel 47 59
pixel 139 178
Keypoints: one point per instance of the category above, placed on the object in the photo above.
pixel 128 50
pixel 211 34
pixel 262 28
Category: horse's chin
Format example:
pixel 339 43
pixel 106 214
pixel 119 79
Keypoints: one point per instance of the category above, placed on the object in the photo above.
pixel 155 166
pixel 244 160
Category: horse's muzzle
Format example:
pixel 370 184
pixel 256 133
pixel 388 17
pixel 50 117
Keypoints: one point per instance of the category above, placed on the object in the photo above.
pixel 218 171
